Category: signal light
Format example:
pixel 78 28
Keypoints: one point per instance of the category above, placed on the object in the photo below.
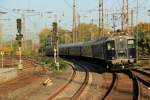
pixel 19 26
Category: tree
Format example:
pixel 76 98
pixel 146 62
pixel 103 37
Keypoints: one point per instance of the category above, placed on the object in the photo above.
pixel 43 35
pixel 143 31
pixel 65 36
pixel 88 32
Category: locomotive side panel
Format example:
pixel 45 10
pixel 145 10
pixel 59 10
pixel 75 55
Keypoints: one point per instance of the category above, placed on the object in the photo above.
pixel 74 51
pixel 63 51
pixel 86 51
pixel 98 51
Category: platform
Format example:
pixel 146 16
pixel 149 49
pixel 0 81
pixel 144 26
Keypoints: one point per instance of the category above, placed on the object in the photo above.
pixel 7 74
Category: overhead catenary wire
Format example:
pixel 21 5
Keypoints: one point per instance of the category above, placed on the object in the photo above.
pixel 68 4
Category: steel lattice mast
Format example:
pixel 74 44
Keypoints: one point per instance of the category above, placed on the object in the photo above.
pixel 101 17
pixel 74 26
pixel 125 16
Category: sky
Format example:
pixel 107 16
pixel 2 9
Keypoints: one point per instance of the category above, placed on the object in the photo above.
pixel 62 11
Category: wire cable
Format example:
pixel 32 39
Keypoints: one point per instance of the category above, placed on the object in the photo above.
pixel 67 3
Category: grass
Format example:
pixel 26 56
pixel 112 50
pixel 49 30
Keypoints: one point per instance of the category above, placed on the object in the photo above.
pixel 62 66
pixel 52 66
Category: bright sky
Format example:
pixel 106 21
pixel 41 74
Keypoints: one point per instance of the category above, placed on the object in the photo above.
pixel 63 9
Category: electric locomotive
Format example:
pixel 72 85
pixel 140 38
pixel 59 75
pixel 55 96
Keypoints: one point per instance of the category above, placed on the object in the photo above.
pixel 116 50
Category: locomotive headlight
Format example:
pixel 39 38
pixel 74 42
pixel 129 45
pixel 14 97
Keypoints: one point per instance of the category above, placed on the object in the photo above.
pixel 113 62
pixel 113 58
pixel 130 56
pixel 131 60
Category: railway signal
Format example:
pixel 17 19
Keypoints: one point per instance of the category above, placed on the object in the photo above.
pixel 55 44
pixel 19 40
pixel 19 26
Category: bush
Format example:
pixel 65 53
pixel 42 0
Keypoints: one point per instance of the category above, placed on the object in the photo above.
pixel 62 65
pixel 53 67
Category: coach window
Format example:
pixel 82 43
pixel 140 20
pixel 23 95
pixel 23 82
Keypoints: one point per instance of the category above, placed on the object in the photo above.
pixel 130 43
pixel 110 45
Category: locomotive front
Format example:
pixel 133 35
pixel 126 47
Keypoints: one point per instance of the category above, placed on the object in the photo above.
pixel 121 50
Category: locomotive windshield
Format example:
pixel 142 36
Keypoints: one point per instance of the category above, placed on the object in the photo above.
pixel 130 43
pixel 121 45
pixel 110 45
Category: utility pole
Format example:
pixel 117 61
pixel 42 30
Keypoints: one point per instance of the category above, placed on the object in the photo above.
pixel 24 32
pixel 107 18
pixel 101 17
pixel 79 28
pixel 1 40
pixel 114 24
pixel 125 16
pixel 132 22
pixel 74 26
pixel 1 33
pixel 137 14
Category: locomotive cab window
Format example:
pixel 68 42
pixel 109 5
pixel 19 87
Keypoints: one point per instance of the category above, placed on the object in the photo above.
pixel 130 43
pixel 110 45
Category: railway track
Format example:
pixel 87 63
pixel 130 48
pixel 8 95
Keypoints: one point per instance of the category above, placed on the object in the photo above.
pixel 119 88
pixel 112 85
pixel 63 87
pixel 84 84
pixel 143 76
pixel 147 69
pixel 24 78
pixel 136 85
pixel 116 88
pixel 76 94
pixel 77 91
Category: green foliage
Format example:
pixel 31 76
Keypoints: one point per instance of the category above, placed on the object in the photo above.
pixel 64 36
pixel 27 47
pixel 86 37
pixel 142 27
pixel 143 30
pixel 50 61
pixel 42 60
pixel 62 66
pixel 11 47
pixel 87 31
pixel 43 35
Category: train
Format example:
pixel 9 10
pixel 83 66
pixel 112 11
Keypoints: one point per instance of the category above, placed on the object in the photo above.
pixel 115 50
